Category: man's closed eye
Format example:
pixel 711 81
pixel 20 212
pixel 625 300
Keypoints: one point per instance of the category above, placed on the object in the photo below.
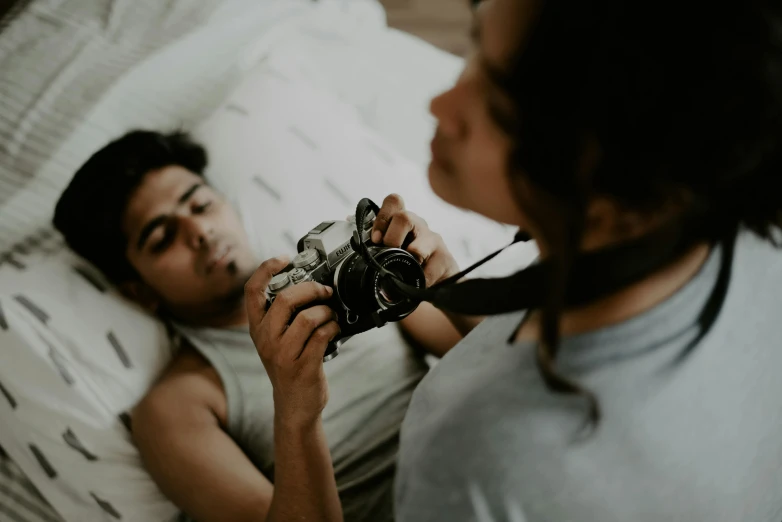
pixel 200 209
pixel 163 238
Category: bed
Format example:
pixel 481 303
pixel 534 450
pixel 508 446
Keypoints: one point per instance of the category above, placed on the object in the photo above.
pixel 260 83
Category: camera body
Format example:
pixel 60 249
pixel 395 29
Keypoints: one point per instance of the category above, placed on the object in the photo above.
pixel 329 255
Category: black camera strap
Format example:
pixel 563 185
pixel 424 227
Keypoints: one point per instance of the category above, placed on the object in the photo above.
pixel 594 274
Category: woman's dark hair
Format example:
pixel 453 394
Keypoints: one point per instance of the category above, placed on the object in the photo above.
pixel 90 210
pixel 672 101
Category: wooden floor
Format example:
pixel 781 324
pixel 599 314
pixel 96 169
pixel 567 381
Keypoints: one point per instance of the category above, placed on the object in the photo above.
pixel 444 23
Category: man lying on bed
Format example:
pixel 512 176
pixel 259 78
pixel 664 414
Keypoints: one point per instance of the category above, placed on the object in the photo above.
pixel 140 211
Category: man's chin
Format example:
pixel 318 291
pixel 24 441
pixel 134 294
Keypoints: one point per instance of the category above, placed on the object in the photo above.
pixel 229 282
pixel 232 268
pixel 238 268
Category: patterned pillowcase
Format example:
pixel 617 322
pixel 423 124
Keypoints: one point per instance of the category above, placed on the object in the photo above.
pixel 75 359
pixel 20 501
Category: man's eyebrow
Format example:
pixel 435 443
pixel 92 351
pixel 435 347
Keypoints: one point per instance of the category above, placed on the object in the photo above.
pixel 189 192
pixel 160 220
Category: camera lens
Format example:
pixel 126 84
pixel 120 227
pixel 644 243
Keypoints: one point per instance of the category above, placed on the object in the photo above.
pixel 388 291
pixel 363 290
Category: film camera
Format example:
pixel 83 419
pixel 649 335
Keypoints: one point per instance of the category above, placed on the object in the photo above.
pixel 332 254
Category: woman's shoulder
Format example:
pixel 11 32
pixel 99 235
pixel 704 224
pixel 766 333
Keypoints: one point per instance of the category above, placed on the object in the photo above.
pixel 759 257
pixel 756 276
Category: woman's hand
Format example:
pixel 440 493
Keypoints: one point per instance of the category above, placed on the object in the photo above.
pixel 427 326
pixel 396 227
pixel 292 352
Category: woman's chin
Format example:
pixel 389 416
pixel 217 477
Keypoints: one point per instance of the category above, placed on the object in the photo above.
pixel 445 186
pixel 441 183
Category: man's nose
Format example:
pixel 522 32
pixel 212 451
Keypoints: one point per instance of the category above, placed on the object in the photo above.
pixel 198 232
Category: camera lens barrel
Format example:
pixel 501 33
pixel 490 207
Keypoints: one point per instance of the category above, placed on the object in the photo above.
pixel 362 289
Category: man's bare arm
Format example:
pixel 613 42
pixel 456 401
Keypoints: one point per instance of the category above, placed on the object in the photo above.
pixel 305 485
pixel 291 342
pixel 193 461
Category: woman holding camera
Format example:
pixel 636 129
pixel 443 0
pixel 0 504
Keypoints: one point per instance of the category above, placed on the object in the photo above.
pixel 641 148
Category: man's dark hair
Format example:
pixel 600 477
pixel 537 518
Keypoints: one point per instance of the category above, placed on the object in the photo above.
pixel 89 212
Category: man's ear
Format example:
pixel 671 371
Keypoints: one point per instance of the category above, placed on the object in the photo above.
pixel 139 292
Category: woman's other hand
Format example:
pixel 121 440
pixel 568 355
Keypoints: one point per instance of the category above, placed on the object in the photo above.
pixel 397 227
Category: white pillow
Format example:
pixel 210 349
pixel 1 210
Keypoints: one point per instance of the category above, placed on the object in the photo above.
pixel 76 357
pixel 289 156
pixel 388 76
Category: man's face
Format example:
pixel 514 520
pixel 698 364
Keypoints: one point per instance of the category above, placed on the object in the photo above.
pixel 470 152
pixel 187 245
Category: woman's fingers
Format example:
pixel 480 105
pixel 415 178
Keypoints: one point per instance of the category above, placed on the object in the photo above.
pixel 405 227
pixel 431 253
pixel 399 228
pixel 392 204
pixel 424 246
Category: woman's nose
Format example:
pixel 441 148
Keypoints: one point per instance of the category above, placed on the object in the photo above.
pixel 445 108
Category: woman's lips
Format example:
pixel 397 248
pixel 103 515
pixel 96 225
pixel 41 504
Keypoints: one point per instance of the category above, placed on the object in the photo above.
pixel 439 159
pixel 435 152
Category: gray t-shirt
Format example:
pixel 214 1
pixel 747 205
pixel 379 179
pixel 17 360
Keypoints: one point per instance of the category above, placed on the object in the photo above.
pixel 695 441
pixel 370 385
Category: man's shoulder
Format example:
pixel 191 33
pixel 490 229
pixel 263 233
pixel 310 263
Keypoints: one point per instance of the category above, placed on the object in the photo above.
pixel 188 388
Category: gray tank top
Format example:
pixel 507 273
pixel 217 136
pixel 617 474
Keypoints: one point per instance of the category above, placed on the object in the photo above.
pixel 370 385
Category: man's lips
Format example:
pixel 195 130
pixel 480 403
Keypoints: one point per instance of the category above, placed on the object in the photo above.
pixel 217 256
